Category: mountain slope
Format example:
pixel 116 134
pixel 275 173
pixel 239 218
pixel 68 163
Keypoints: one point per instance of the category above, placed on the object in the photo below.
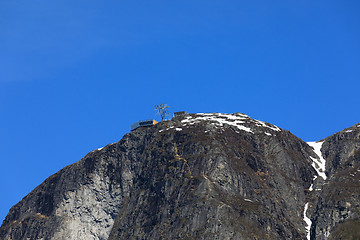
pixel 337 209
pixel 79 202
pixel 211 180
pixel 198 176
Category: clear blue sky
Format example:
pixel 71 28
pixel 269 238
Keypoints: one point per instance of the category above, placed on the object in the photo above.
pixel 75 74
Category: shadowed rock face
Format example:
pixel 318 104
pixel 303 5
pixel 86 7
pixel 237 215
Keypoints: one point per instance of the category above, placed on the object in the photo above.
pixel 198 176
pixel 337 210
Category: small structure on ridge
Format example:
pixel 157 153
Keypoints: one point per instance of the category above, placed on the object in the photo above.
pixel 176 114
pixel 144 123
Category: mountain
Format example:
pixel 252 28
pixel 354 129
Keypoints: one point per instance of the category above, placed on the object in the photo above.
pixel 201 176
pixel 336 211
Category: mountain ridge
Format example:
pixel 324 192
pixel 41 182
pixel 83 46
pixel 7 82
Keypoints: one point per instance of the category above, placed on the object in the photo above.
pixel 196 176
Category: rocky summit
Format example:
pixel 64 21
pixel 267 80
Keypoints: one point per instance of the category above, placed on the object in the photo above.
pixel 201 176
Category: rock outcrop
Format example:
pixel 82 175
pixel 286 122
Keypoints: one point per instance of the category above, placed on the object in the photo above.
pixel 198 176
pixel 337 209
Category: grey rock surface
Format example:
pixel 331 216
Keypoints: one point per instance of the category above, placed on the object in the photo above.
pixel 198 176
pixel 79 202
pixel 337 209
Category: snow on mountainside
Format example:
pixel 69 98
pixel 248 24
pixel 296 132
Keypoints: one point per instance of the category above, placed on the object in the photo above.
pixel 238 120
pixel 319 162
pixel 307 221
pixel 200 176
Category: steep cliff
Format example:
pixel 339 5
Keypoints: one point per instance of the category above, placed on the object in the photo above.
pixel 337 209
pixel 198 176
pixel 79 202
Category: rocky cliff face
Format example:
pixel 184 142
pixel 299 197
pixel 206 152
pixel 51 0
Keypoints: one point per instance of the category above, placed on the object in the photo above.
pixel 199 176
pixel 337 209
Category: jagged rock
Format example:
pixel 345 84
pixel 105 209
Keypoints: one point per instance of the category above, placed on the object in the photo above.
pixel 79 202
pixel 209 181
pixel 198 176
pixel 337 213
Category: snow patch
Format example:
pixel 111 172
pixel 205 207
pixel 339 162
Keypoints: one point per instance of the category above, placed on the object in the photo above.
pixel 311 188
pixel 166 129
pixel 307 221
pixel 237 120
pixel 348 131
pixel 219 119
pixel 248 200
pixel 178 129
pixel 262 124
pixel 318 164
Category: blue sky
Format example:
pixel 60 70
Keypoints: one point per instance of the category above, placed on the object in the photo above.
pixel 74 75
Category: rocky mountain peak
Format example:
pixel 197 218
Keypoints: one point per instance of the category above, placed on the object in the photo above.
pixel 335 209
pixel 197 176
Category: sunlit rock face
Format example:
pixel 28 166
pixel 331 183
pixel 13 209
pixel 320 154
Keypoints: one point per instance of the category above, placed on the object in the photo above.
pixel 79 202
pixel 197 176
pixel 218 176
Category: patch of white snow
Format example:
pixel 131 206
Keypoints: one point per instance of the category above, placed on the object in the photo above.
pixel 311 188
pixel 307 221
pixel 219 119
pixel 273 127
pixel 318 164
